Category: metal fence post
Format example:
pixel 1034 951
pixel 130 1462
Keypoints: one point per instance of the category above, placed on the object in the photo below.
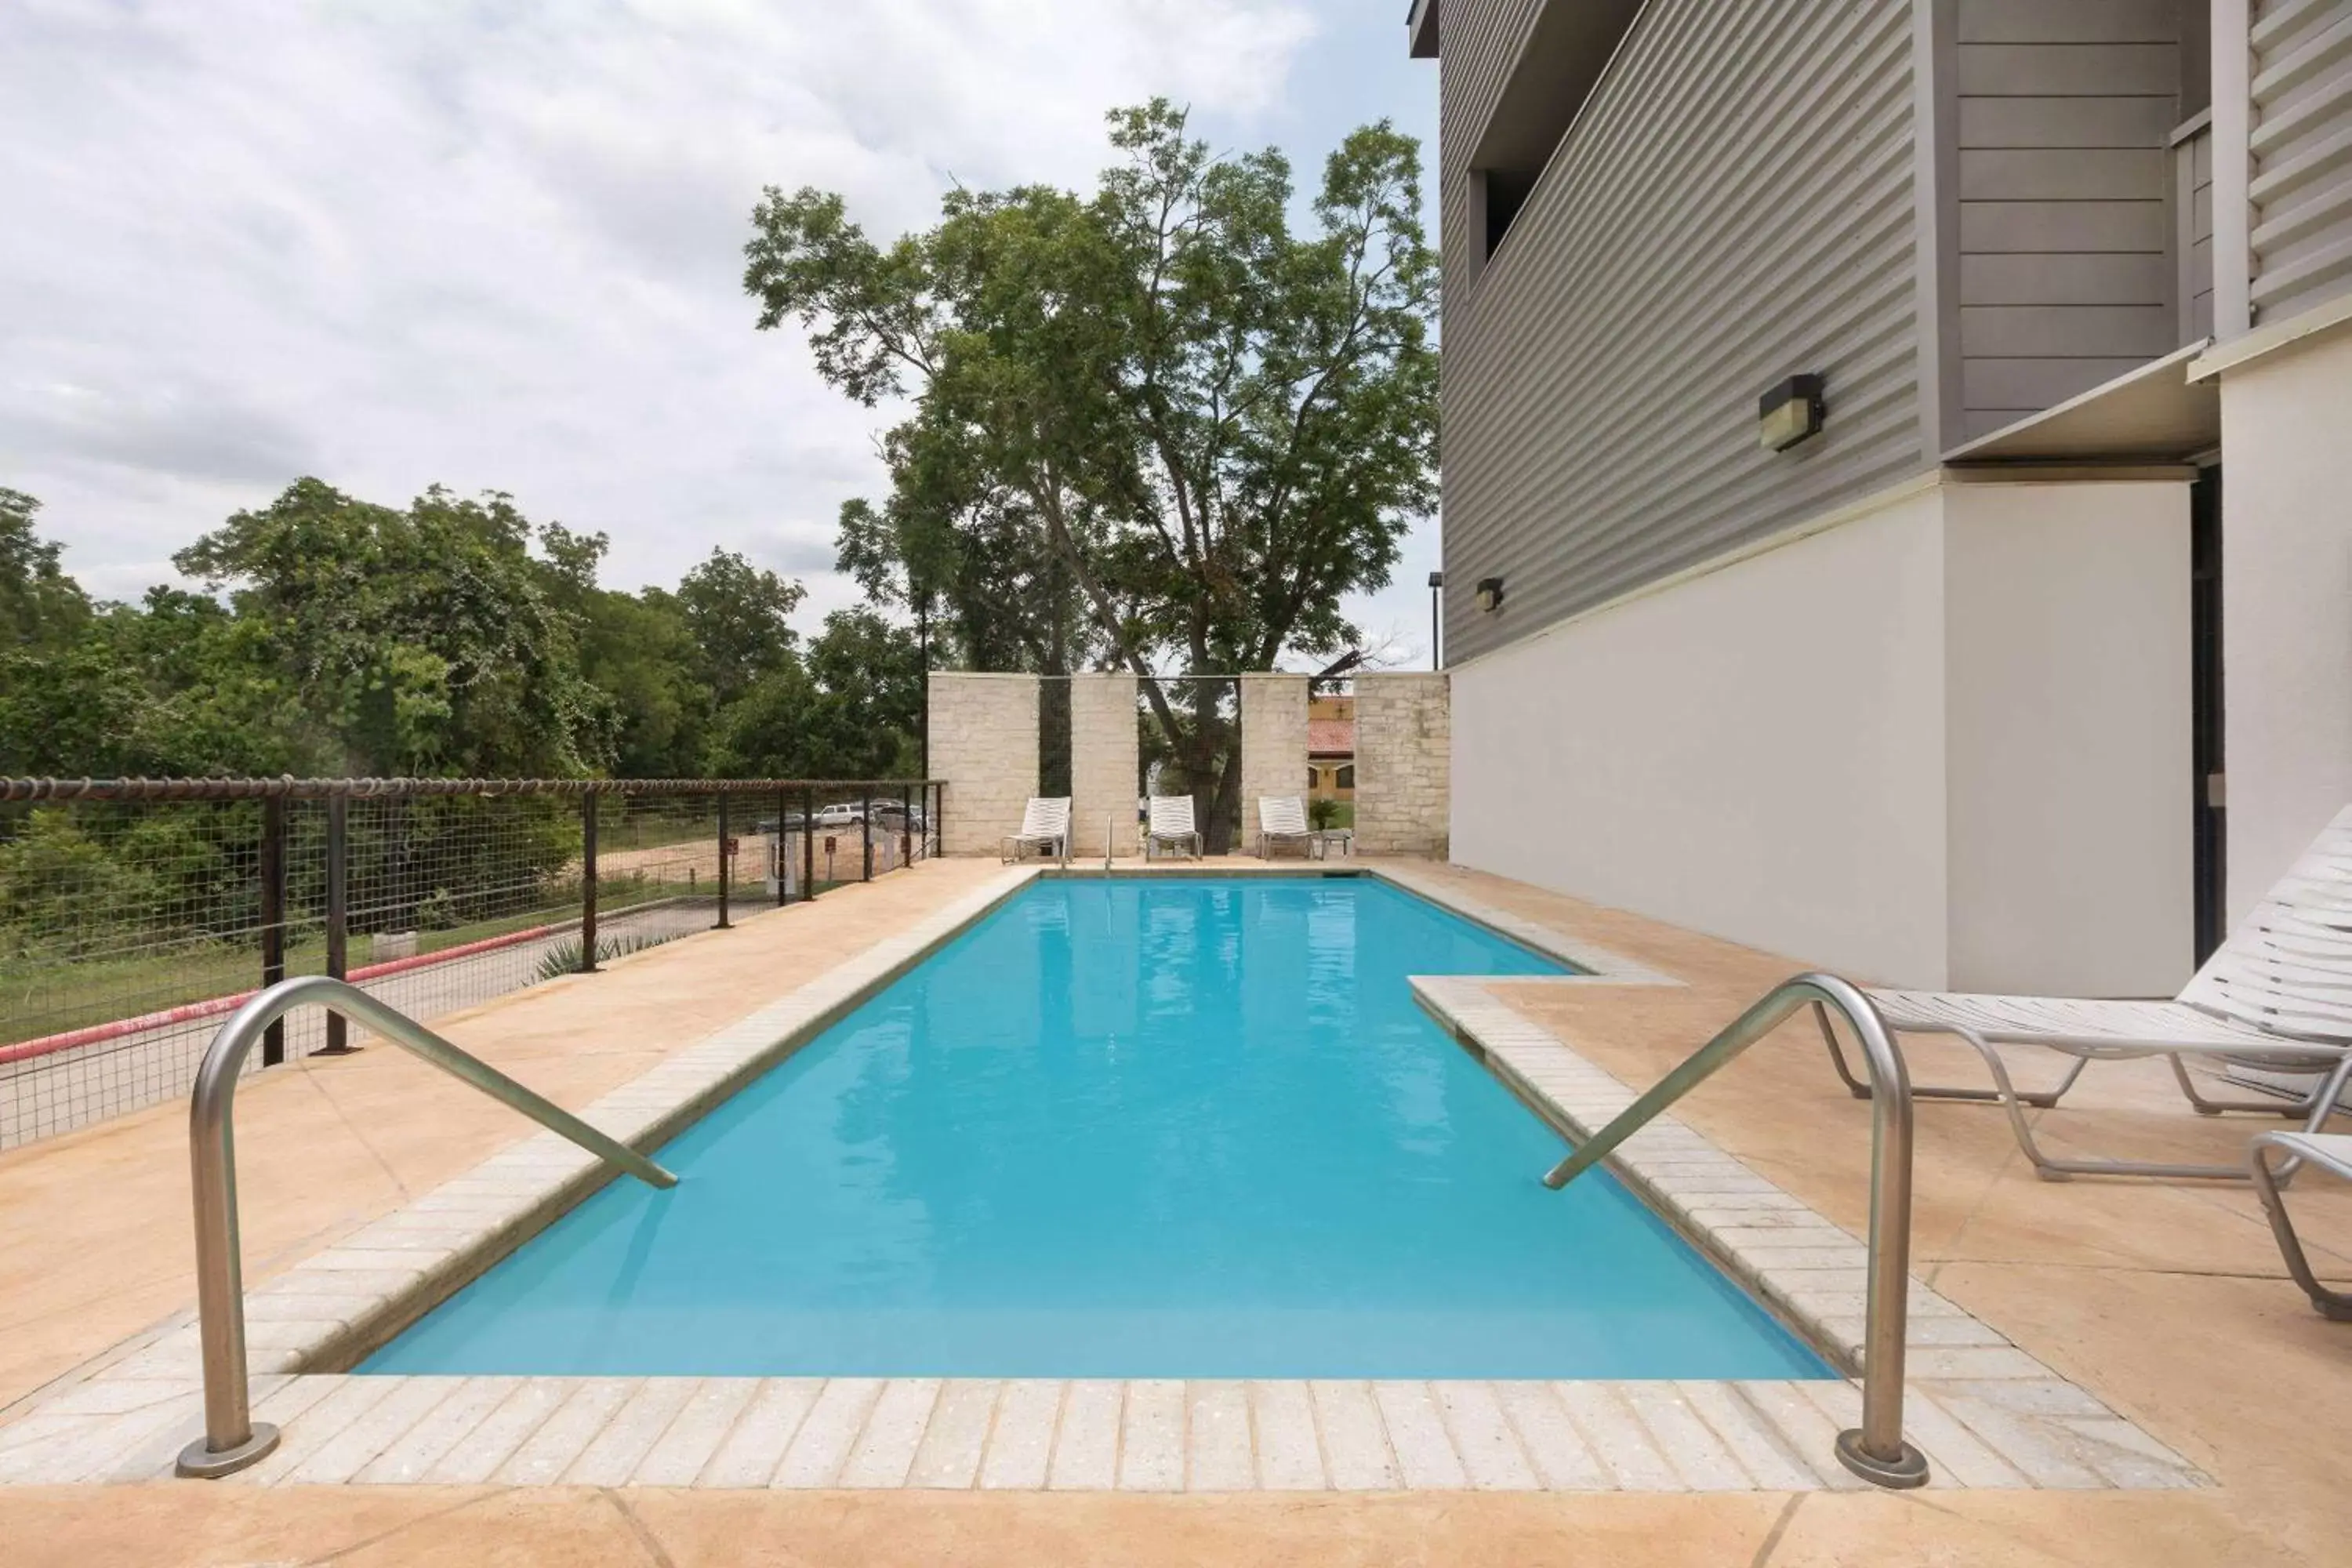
pixel 865 834
pixel 906 827
pixel 723 859
pixel 808 845
pixel 938 822
pixel 588 883
pixel 339 880
pixel 273 919
pixel 784 839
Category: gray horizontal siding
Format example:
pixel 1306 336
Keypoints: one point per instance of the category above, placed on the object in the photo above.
pixel 2301 144
pixel 1986 121
pixel 2091 278
pixel 2057 228
pixel 1482 39
pixel 1734 205
pixel 2069 273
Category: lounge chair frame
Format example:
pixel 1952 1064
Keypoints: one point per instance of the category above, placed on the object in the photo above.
pixel 2331 1152
pixel 1282 819
pixel 2276 995
pixel 1170 822
pixel 1045 826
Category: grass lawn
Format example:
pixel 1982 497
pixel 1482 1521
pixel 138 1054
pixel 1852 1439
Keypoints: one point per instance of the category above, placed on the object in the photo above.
pixel 47 996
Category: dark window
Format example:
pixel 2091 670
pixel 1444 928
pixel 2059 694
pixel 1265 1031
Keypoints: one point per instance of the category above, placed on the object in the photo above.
pixel 1507 192
pixel 1348 776
pixel 1314 777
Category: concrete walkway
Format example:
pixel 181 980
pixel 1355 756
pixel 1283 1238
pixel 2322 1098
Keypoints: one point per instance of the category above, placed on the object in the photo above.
pixel 2168 1301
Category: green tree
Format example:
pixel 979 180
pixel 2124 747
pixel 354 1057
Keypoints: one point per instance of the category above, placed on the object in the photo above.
pixel 40 606
pixel 450 638
pixel 651 703
pixel 416 641
pixel 1216 427
pixel 739 616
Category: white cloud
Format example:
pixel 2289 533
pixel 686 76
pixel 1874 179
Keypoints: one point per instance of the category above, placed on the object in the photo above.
pixel 494 245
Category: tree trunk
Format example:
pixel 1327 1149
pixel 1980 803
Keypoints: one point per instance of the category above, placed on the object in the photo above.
pixel 1225 817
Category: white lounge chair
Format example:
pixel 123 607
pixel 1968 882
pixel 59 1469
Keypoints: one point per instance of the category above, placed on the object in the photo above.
pixel 1044 827
pixel 2331 1152
pixel 1282 818
pixel 2277 995
pixel 1171 824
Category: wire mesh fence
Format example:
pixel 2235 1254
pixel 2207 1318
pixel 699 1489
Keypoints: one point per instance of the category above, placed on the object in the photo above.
pixel 1190 744
pixel 136 915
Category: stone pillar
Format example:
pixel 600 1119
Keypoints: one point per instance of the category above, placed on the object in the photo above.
pixel 1273 743
pixel 1106 761
pixel 984 745
pixel 1404 736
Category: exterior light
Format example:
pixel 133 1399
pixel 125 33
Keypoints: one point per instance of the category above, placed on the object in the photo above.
pixel 1490 594
pixel 1790 413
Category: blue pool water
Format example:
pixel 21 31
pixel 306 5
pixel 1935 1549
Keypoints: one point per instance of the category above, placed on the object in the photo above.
pixel 1140 1128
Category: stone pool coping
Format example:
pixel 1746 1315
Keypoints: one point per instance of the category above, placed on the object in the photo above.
pixel 1987 1414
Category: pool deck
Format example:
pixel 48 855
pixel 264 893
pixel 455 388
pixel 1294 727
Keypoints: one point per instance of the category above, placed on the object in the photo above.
pixel 2166 1302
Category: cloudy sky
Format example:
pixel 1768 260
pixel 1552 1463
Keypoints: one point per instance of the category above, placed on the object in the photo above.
pixel 497 245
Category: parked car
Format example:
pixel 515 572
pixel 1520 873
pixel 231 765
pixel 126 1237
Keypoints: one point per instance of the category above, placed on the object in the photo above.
pixel 885 811
pixel 793 823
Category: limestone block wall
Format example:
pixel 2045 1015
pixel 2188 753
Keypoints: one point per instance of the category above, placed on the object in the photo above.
pixel 1106 761
pixel 1274 743
pixel 1404 740
pixel 983 734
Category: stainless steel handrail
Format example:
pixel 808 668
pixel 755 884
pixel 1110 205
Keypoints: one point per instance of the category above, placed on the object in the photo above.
pixel 1876 1451
pixel 232 1438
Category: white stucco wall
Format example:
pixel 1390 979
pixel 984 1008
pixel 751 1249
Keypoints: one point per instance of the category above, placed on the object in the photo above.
pixel 1757 752
pixel 2067 700
pixel 2286 606
pixel 1943 743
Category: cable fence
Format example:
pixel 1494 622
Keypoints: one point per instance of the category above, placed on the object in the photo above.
pixel 136 914
pixel 1190 741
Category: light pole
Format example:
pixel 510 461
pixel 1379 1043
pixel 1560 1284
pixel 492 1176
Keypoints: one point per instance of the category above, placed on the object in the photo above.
pixel 1437 583
pixel 923 700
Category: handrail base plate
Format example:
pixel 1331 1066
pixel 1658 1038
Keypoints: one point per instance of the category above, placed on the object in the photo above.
pixel 201 1461
pixel 1907 1470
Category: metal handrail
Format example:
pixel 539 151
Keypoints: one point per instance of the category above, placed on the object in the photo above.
pixel 232 1438
pixel 1876 1451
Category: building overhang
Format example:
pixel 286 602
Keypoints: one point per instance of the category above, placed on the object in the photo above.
pixel 2152 415
pixel 1567 50
pixel 1421 29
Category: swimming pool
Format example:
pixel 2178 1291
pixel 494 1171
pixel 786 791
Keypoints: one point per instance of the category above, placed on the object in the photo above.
pixel 1140 1127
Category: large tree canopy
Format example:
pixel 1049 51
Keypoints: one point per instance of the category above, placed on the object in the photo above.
pixel 40 606
pixel 450 636
pixel 1156 406
pixel 423 641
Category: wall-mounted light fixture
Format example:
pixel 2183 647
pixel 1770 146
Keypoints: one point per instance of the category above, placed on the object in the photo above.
pixel 1490 594
pixel 1790 413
